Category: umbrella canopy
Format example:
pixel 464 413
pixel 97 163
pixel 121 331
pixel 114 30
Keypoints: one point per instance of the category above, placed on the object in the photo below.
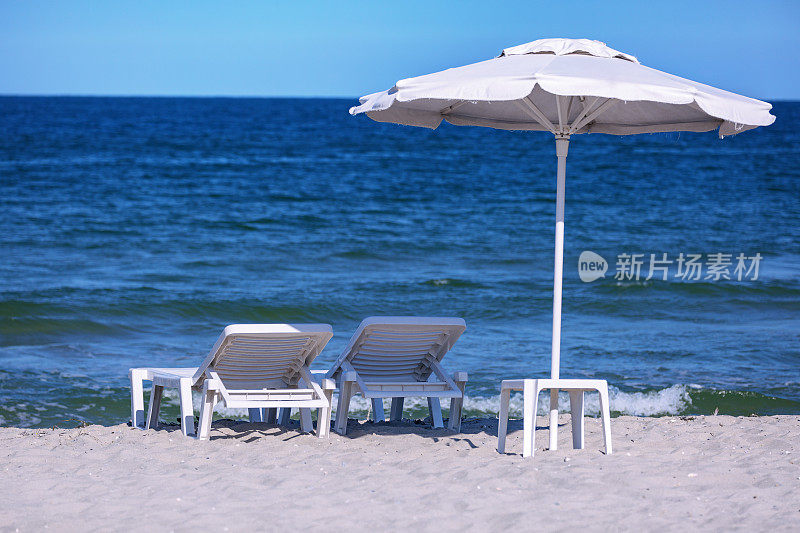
pixel 566 87
pixel 606 91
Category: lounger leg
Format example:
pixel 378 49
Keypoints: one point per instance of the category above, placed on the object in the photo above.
pixel 137 397
pixel 457 404
pixel 155 406
pixel 187 410
pixel 206 412
pixel 576 413
pixel 345 392
pixel 605 410
pixel 502 424
pixel 324 415
pixel 435 409
pixel 255 414
pixel 272 415
pixel 554 419
pixel 454 424
pixel 306 423
pixel 284 414
pixel 377 410
pixel 529 398
pixel 396 412
pixel 323 422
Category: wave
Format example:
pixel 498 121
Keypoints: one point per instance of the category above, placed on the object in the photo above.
pixel 22 317
pixel 357 254
pixel 451 282
pixel 44 330
pixel 759 288
pixel 82 399
pixel 677 400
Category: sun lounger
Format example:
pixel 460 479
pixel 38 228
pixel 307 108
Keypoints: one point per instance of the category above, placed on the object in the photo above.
pixel 394 357
pixel 254 366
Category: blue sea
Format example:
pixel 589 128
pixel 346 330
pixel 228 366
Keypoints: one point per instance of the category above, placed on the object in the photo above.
pixel 132 230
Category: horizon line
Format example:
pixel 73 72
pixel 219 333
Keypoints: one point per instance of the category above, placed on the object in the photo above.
pixel 234 96
pixel 90 95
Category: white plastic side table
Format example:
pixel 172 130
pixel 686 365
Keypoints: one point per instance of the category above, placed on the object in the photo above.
pixel 530 389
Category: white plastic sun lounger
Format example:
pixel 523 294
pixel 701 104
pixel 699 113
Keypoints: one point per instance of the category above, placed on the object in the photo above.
pixel 394 357
pixel 254 366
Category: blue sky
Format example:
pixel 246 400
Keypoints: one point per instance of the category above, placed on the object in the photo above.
pixel 309 48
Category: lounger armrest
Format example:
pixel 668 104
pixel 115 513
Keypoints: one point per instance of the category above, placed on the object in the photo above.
pixel 318 375
pixel 140 373
pixel 212 384
pixel 460 376
pixel 325 383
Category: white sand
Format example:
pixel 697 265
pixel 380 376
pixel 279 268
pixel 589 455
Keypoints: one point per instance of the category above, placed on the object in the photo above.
pixel 667 473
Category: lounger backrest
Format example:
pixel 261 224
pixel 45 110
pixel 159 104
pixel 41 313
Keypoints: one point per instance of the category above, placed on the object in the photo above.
pixel 258 356
pixel 392 348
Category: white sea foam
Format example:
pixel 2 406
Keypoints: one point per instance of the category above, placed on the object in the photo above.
pixel 669 401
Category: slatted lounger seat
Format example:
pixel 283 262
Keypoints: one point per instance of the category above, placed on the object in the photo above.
pixel 254 366
pixel 394 357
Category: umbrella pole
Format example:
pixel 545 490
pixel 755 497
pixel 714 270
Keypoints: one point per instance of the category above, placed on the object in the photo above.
pixel 562 147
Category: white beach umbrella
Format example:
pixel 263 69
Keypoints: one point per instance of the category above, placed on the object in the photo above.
pixel 566 87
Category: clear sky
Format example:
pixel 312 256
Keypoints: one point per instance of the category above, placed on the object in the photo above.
pixel 341 48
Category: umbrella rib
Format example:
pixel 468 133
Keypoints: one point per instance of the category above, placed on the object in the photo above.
pixel 493 120
pixel 535 113
pixel 578 124
pixel 452 107
pixel 569 106
pixel 560 117
pixel 586 109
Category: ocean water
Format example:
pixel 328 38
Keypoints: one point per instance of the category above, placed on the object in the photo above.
pixel 132 230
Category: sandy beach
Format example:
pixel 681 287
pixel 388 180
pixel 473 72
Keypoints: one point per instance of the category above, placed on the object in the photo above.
pixel 669 473
pixel 226 209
